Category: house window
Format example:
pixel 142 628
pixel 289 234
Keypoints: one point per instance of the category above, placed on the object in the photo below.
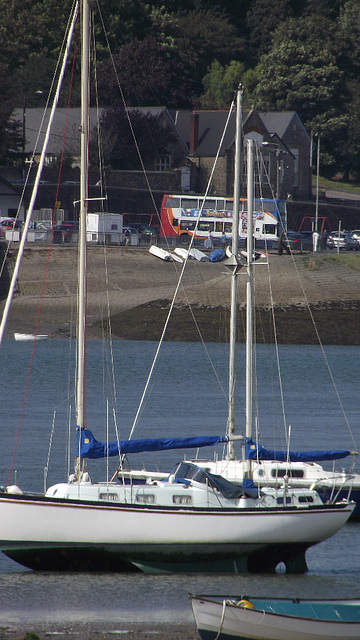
pixel 295 153
pixel 163 162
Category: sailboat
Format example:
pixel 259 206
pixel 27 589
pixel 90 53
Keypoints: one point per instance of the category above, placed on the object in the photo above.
pixel 191 521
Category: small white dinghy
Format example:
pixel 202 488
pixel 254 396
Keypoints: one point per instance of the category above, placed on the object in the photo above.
pixel 194 254
pixel 164 255
pixel 229 618
pixel 27 337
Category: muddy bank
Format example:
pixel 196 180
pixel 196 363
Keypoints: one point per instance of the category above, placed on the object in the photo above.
pixel 86 631
pixel 139 289
pixel 336 324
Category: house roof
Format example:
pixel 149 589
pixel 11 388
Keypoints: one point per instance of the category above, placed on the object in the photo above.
pixel 65 120
pixel 279 121
pixel 211 127
pixel 68 120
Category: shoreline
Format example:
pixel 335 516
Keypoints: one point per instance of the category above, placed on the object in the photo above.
pixel 304 291
pixel 89 631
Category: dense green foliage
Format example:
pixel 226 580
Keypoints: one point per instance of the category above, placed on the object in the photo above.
pixel 289 55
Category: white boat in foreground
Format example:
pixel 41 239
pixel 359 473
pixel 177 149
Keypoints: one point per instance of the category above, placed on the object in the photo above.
pixel 28 337
pixel 191 522
pixel 244 618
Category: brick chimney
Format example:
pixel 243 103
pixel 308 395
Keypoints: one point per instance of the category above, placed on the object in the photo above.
pixel 194 132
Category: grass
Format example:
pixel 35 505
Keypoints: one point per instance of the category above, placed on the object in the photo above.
pixel 350 260
pixel 350 187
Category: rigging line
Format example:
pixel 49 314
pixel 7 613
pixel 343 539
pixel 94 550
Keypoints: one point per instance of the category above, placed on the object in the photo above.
pixel 179 284
pixel 28 218
pixel 273 319
pixel 100 145
pixel 316 332
pixel 37 179
pixel 127 112
pixel 39 132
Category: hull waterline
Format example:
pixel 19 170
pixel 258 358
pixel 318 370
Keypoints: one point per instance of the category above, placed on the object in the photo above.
pixel 159 539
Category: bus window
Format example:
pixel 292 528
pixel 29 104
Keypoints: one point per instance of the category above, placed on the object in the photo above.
pixel 187 225
pixel 228 227
pixel 229 205
pixel 175 222
pixel 206 226
pixel 189 203
pixel 210 204
pixel 172 202
pixel 270 229
pixel 219 226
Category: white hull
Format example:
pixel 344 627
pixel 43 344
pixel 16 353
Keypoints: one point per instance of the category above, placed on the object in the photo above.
pixel 163 254
pixel 237 622
pixel 194 254
pixel 26 337
pixel 165 538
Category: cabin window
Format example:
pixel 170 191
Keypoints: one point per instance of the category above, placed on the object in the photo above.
pixel 281 500
pixel 110 497
pixel 145 498
pixel 306 499
pixel 179 499
pixel 292 473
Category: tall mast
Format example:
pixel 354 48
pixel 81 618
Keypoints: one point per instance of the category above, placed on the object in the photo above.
pixel 84 141
pixel 249 298
pixel 235 245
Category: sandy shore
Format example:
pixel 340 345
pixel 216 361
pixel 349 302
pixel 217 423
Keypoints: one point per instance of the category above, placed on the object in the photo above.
pixel 140 287
pixel 84 631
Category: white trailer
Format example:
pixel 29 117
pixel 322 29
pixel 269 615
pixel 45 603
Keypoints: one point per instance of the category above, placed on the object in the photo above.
pixel 105 228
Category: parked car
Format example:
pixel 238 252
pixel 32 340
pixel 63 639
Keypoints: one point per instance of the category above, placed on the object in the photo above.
pixel 343 241
pixel 8 224
pixel 65 231
pixel 355 234
pixel 149 233
pixel 296 241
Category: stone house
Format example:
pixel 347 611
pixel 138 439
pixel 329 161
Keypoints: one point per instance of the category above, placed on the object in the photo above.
pixel 283 151
pixel 283 157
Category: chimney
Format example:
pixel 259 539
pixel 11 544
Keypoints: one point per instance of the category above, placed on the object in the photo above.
pixel 194 132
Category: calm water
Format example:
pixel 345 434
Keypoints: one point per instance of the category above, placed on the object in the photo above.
pixel 187 397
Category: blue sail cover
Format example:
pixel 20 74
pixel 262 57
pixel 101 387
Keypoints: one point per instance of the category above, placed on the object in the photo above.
pixel 255 451
pixel 89 447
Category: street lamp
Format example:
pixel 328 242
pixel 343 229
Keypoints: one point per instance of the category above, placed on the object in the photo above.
pixel 38 92
pixel 278 151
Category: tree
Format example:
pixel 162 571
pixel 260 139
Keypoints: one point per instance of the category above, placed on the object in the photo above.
pixel 220 84
pixel 147 75
pixel 120 130
pixel 301 73
pixel 202 37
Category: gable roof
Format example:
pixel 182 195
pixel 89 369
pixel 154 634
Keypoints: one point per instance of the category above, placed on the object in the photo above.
pixel 210 125
pixel 65 120
pixel 279 121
